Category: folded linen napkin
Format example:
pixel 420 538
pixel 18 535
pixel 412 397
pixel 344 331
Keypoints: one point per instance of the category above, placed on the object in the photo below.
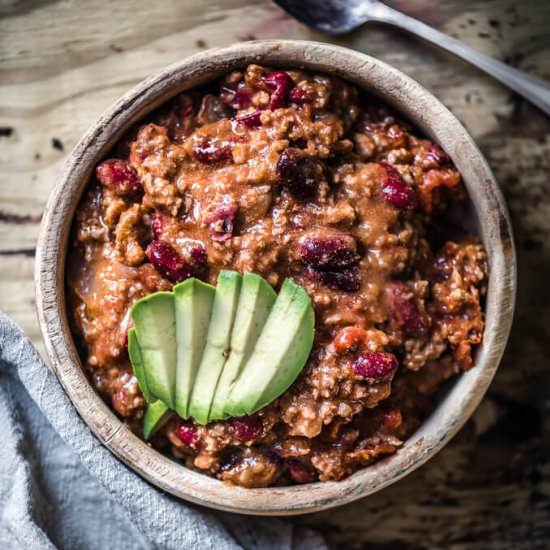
pixel 60 488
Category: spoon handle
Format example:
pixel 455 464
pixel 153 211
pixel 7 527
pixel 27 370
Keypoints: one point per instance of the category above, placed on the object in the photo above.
pixel 532 88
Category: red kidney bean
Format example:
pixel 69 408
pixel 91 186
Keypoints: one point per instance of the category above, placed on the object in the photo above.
pixel 168 262
pixel 375 367
pixel 396 191
pixel 118 175
pixel 279 83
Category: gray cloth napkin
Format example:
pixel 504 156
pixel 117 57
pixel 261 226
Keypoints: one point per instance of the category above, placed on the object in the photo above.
pixel 60 488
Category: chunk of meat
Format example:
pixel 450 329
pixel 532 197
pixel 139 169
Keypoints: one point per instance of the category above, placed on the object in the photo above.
pixel 127 400
pixel 462 275
pixel 252 468
pixel 128 236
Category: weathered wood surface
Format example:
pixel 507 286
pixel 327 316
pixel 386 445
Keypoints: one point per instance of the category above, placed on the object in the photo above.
pixel 62 63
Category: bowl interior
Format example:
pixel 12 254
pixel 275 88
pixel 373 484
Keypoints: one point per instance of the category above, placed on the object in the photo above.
pixel 488 214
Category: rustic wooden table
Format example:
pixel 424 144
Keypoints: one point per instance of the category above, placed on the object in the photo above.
pixel 63 62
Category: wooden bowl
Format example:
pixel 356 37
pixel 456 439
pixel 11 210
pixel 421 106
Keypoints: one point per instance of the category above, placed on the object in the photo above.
pixel 426 113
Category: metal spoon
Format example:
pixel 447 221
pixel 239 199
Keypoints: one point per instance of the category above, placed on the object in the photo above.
pixel 340 16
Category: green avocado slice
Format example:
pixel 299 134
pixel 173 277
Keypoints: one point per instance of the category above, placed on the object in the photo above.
pixel 216 349
pixel 279 355
pixel 297 354
pixel 193 302
pixel 255 302
pixel 155 325
pixel 137 364
pixel 156 415
pixel 157 412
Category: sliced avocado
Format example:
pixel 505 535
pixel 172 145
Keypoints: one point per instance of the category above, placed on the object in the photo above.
pixel 297 354
pixel 255 302
pixel 155 416
pixel 157 412
pixel 216 349
pixel 193 302
pixel 280 353
pixel 137 364
pixel 155 325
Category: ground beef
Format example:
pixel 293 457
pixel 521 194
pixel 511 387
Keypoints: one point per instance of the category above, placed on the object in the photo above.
pixel 285 173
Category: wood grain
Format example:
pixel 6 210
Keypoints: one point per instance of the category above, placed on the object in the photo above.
pixel 62 63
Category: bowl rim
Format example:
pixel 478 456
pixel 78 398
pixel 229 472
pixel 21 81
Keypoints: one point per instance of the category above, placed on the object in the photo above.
pixel 426 113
